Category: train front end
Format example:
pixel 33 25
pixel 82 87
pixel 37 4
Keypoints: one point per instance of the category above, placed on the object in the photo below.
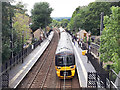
pixel 65 65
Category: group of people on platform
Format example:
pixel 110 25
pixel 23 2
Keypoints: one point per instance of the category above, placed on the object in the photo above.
pixel 80 43
pixel 74 38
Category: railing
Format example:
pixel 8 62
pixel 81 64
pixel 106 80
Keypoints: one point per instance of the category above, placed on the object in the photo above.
pixel 94 48
pixel 114 80
pixel 97 80
pixel 18 58
pixel 110 80
pixel 4 76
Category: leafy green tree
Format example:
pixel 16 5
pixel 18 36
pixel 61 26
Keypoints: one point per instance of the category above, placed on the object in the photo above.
pixel 21 8
pixel 78 18
pixel 21 27
pixel 88 17
pixel 7 12
pixel 64 23
pixel 11 26
pixel 110 39
pixel 41 15
pixel 93 18
pixel 54 23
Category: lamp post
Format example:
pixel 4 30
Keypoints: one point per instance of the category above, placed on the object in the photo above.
pixel 31 32
pixel 101 28
pixel 101 22
pixel 46 23
pixel 89 35
pixel 11 36
pixel 22 45
pixel 79 36
pixel 88 53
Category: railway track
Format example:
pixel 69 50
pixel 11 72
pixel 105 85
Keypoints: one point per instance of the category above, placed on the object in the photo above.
pixel 43 74
pixel 70 83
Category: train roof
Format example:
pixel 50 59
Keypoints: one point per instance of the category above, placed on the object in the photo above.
pixel 61 29
pixel 64 44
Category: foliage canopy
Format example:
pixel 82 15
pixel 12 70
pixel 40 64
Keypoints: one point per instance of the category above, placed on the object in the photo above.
pixel 41 15
pixel 88 17
pixel 110 39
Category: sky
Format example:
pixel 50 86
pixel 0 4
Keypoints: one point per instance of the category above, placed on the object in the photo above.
pixel 62 8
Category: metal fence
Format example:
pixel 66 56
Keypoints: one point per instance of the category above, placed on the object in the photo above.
pixel 114 80
pixel 94 48
pixel 4 80
pixel 19 57
pixel 14 61
pixel 97 80
pixel 110 80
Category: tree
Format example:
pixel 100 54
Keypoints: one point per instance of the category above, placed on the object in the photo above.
pixel 12 24
pixel 64 23
pixel 20 25
pixel 88 17
pixel 54 23
pixel 110 39
pixel 41 15
pixel 7 14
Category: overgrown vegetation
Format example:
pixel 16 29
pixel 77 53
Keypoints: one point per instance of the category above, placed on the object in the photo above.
pixel 110 39
pixel 14 25
pixel 88 17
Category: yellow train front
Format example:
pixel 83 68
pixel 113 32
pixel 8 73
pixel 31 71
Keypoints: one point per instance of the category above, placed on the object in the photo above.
pixel 65 65
pixel 64 57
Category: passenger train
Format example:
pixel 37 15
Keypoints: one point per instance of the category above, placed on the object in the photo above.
pixel 64 57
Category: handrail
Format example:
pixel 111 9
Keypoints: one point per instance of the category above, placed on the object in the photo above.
pixel 111 81
pixel 115 73
pixel 113 84
pixel 9 65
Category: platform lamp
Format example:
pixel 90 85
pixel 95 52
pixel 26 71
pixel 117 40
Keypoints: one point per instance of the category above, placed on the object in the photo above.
pixel 11 28
pixel 101 29
pixel 22 44
pixel 89 35
pixel 79 34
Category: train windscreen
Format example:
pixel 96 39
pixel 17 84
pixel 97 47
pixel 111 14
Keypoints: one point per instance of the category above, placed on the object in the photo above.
pixel 62 60
pixel 69 60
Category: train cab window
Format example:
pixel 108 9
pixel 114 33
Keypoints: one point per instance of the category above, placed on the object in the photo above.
pixel 69 60
pixel 60 61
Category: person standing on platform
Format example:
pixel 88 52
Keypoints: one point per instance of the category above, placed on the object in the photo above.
pixel 81 44
pixel 88 53
pixel 78 42
pixel 73 40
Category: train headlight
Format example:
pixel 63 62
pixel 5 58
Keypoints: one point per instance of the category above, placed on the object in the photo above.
pixel 58 67
pixel 72 66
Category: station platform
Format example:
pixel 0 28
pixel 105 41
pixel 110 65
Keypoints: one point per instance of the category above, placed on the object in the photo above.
pixel 17 73
pixel 81 65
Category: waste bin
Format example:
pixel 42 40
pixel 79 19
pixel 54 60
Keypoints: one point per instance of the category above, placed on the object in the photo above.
pixel 83 52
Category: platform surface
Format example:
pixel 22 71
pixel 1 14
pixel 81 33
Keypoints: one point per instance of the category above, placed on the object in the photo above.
pixel 17 73
pixel 81 65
